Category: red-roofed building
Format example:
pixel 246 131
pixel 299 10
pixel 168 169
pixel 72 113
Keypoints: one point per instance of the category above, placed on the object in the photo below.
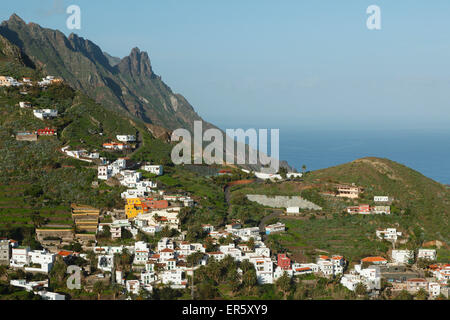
pixel 46 132
pixel 361 209
pixel 225 172
pixel 283 261
pixel 154 204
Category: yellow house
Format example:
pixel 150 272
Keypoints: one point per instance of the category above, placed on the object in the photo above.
pixel 133 201
pixel 133 208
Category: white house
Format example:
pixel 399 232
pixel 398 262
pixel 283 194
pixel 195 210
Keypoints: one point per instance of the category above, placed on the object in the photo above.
pixel 231 250
pixel 434 289
pixel 29 286
pixel 351 280
pixel 187 202
pixel 42 258
pixel 103 173
pixel 45 113
pixel 147 278
pixel 105 262
pixel 279 272
pixel 130 178
pixel 326 267
pixel 116 231
pixel 369 277
pixel 51 296
pixel 152 229
pixel 402 256
pixel 388 234
pixel 174 277
pixel 381 199
pixel 166 254
pixel 119 277
pixel 293 210
pixel 274 228
pixel 24 105
pixel 20 257
pixel 165 243
pixel 126 138
pixel 246 233
pixel 133 193
pixel 133 286
pixel 428 254
pixel 262 251
pixel 293 175
pixel 216 255
pixel 442 274
pixel 331 266
pixel 155 169
pixel 264 269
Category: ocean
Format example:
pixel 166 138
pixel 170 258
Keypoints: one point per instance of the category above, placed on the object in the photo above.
pixel 426 152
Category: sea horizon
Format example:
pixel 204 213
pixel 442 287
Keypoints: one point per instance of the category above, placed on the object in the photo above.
pixel 421 149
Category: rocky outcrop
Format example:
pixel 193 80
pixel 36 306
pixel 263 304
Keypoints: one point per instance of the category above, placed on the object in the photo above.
pixel 283 202
pixel 129 86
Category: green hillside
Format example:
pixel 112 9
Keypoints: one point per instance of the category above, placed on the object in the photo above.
pixel 426 200
pixel 38 182
pixel 420 210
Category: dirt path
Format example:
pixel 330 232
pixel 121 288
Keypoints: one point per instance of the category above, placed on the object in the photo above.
pixel 228 197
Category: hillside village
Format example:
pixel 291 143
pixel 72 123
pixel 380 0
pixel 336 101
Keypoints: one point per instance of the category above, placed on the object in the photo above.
pixel 144 246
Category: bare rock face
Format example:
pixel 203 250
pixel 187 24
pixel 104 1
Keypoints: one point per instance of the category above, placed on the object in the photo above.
pixel 128 85
pixel 137 65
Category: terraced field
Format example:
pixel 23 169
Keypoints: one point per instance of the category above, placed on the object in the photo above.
pixel 16 210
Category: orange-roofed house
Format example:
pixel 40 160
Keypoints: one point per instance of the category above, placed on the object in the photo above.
pixel 304 270
pixel 65 254
pixel 374 260
pixel 139 206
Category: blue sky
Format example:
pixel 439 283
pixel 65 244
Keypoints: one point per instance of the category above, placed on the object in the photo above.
pixel 281 64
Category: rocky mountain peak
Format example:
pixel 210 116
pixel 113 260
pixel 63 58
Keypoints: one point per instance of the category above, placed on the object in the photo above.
pixel 16 19
pixel 137 64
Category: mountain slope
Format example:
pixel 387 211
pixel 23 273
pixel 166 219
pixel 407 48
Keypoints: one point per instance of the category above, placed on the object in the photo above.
pixel 130 85
pixel 427 200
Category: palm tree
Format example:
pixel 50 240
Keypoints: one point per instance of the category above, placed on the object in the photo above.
pixel 92 258
pixel 249 279
pixel 284 283
pixel 98 288
pixel 304 169
pixel 116 290
pixel 234 279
